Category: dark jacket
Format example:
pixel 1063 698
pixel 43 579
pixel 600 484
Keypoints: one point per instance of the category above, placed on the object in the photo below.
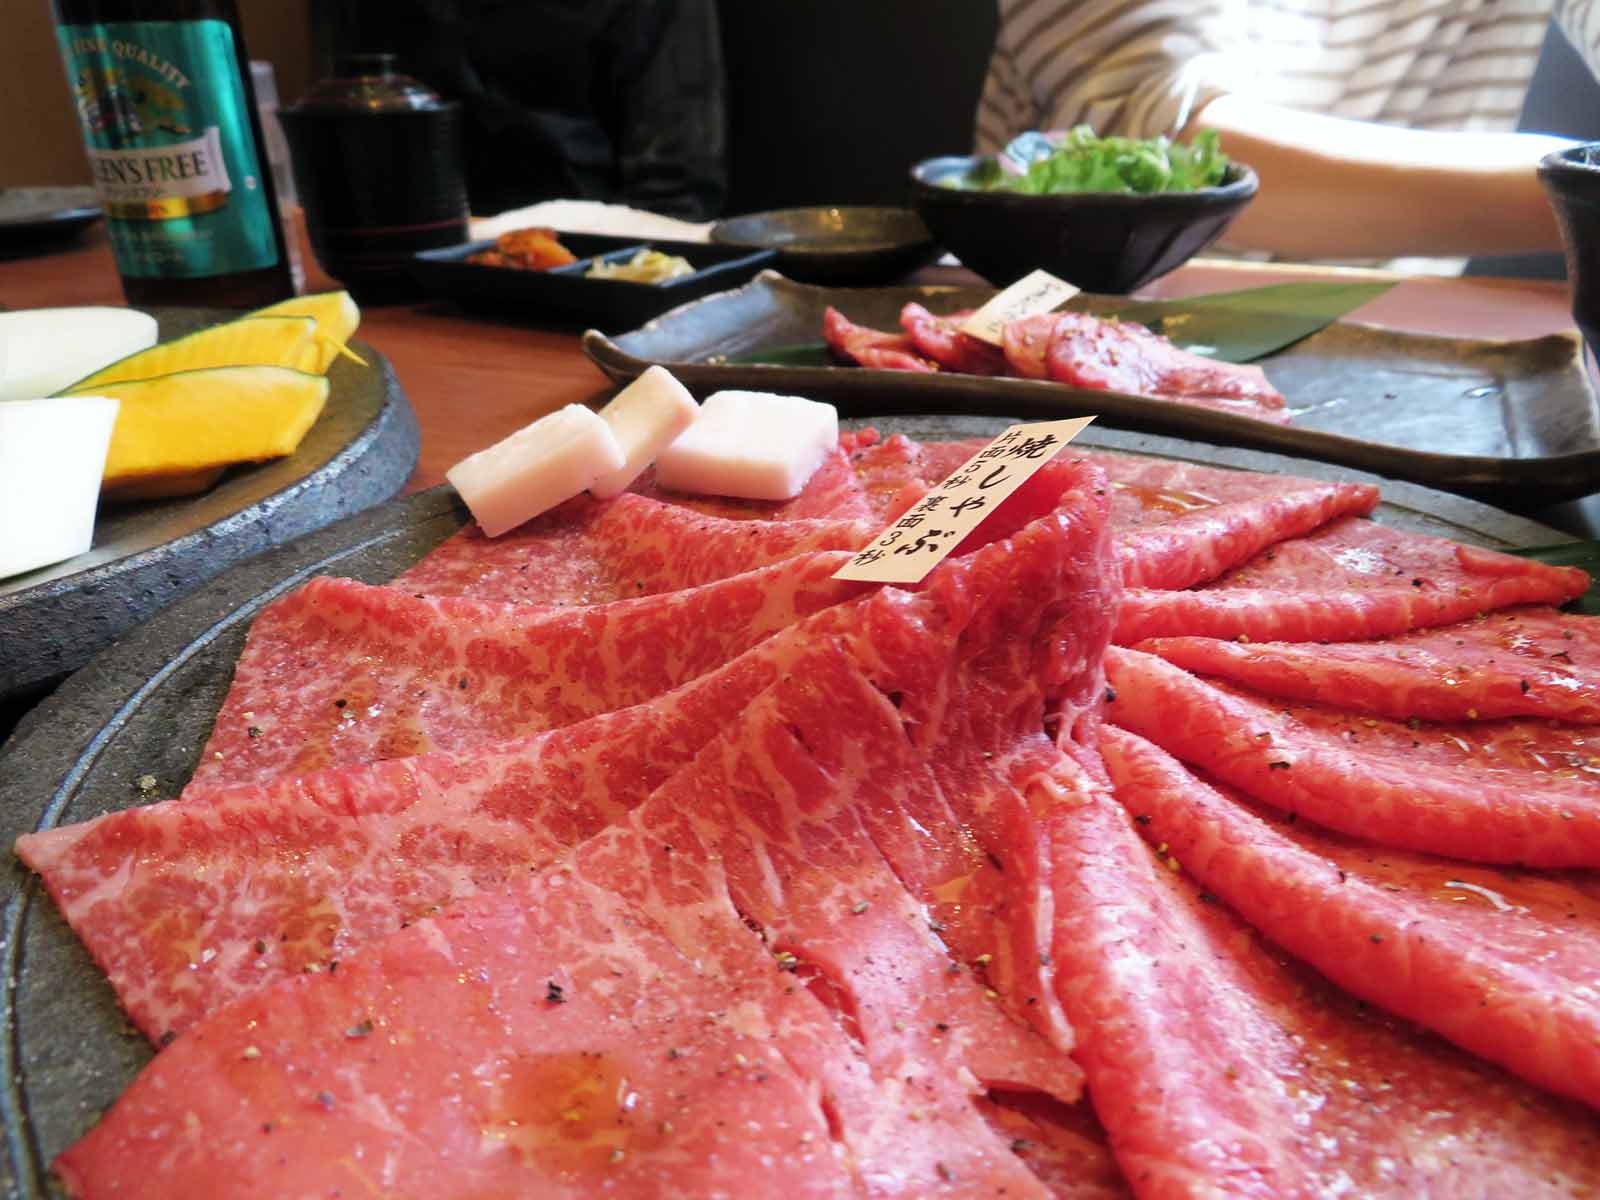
pixel 615 100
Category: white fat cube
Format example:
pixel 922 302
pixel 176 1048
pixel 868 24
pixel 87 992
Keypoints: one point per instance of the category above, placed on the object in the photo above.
pixel 645 418
pixel 753 445
pixel 52 455
pixel 536 468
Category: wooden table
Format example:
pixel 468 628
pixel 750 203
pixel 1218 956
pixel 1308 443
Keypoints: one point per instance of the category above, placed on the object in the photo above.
pixel 472 381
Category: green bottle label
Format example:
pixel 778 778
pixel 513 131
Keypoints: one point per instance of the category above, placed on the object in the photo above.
pixel 167 127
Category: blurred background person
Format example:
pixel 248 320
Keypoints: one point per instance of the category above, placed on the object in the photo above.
pixel 1377 129
pixel 620 101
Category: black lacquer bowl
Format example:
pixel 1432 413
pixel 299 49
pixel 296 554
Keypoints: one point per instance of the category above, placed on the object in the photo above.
pixel 1571 179
pixel 1107 242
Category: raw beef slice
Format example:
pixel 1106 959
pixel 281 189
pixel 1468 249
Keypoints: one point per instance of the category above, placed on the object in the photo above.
pixel 590 552
pixel 1348 581
pixel 1514 791
pixel 885 1055
pixel 941 339
pixel 1525 662
pixel 199 913
pixel 189 904
pixel 1503 963
pixel 1176 524
pixel 872 347
pixel 339 673
pixel 1219 1069
pixel 1098 354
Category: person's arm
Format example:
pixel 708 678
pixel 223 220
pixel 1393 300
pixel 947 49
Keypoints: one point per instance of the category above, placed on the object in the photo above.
pixel 1335 188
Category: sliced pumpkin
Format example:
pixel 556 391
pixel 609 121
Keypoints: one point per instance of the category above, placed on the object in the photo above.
pixel 162 487
pixel 284 341
pixel 193 421
pixel 337 317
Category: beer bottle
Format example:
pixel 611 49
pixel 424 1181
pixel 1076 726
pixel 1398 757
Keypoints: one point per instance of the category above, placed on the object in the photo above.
pixel 163 94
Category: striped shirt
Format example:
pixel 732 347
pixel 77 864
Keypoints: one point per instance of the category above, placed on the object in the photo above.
pixel 1146 67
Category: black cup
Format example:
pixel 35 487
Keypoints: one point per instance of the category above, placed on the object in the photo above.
pixel 1571 179
pixel 377 159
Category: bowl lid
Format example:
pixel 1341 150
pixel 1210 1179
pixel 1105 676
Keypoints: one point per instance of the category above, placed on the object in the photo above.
pixel 368 83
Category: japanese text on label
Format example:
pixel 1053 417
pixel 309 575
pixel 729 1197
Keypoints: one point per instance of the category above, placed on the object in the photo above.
pixel 933 527
pixel 1035 293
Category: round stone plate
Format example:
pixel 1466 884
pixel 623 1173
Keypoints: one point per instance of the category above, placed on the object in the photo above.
pixel 145 707
pixel 360 451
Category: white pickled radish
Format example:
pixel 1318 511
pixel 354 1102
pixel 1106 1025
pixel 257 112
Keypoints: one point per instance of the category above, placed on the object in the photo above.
pixel 645 418
pixel 753 445
pixel 47 349
pixel 52 455
pixel 536 468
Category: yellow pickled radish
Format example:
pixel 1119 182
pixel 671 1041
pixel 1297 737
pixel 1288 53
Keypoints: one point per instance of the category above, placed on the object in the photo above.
pixel 337 317
pixel 193 421
pixel 249 341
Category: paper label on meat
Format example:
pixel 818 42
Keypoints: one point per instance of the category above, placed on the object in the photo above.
pixel 921 539
pixel 1034 294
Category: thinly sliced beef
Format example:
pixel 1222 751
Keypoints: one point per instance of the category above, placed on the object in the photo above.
pixel 1121 356
pixel 1147 492
pixel 1526 662
pixel 183 913
pixel 188 905
pixel 1180 524
pixel 890 1038
pixel 786 809
pixel 550 1040
pixel 1176 524
pixel 1025 344
pixel 338 673
pixel 1076 349
pixel 833 492
pixel 894 475
pixel 1219 1069
pixel 1503 963
pixel 1202 544
pixel 1349 581
pixel 941 339
pixel 1516 791
pixel 872 347
pixel 1063 1145
pixel 592 552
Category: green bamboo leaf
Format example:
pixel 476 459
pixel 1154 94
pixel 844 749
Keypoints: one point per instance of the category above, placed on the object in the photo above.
pixel 1573 554
pixel 803 354
pixel 1245 325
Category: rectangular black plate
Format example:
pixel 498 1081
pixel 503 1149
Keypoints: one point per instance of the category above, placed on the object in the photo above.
pixel 568 296
pixel 1514 423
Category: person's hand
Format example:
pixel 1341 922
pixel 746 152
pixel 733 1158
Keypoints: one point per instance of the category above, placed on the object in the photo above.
pixel 1337 188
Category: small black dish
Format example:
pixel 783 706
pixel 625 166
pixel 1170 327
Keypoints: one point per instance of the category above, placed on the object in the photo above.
pixel 567 295
pixel 37 220
pixel 1107 242
pixel 861 246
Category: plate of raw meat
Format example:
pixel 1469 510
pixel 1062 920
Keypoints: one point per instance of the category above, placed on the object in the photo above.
pixel 1192 835
pixel 1509 422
